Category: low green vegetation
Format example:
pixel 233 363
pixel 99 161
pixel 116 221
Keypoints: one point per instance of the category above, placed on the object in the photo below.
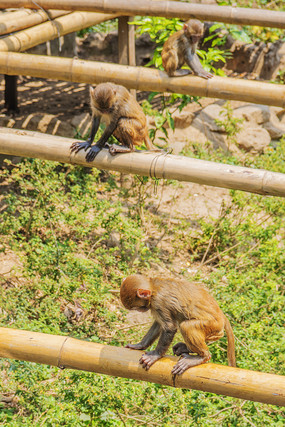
pixel 76 233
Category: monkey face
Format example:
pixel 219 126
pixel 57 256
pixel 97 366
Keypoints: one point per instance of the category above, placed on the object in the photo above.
pixel 103 98
pixel 195 38
pixel 194 30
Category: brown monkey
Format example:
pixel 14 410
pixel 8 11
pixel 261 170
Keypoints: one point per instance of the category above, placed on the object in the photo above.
pixel 177 303
pixel 181 47
pixel 123 116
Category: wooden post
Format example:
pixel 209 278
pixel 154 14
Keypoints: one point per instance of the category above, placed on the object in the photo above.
pixel 126 44
pixel 145 163
pixel 66 352
pixel 11 94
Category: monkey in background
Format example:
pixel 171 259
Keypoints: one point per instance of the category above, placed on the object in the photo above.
pixel 177 303
pixel 123 117
pixel 181 47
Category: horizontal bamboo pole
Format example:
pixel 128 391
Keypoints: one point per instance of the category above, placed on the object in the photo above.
pixel 41 33
pixel 140 78
pixel 27 20
pixel 66 352
pixel 14 14
pixel 169 9
pixel 36 145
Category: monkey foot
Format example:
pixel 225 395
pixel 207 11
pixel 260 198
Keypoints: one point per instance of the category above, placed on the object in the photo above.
pixel 135 346
pixel 187 362
pixel 148 359
pixel 182 72
pixel 180 348
pixel 77 146
pixel 205 75
pixel 92 153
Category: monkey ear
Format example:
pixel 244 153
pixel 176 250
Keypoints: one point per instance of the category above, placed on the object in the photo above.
pixel 91 91
pixel 185 26
pixel 144 293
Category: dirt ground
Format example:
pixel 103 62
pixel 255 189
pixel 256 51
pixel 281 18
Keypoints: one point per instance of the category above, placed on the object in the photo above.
pixel 62 99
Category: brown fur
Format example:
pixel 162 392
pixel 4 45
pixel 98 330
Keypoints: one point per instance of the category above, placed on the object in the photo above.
pixel 110 100
pixel 177 304
pixel 180 48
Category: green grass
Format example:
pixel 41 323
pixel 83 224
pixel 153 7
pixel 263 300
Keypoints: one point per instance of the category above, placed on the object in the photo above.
pixel 77 234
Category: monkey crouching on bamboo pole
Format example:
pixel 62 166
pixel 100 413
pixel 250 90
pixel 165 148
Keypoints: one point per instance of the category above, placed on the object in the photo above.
pixel 124 118
pixel 177 304
pixel 181 47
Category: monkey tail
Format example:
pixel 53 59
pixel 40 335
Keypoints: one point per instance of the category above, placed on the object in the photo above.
pixel 149 145
pixel 231 343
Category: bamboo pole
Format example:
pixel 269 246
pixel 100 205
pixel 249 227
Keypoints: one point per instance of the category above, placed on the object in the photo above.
pixel 15 14
pixel 27 20
pixel 169 9
pixel 36 145
pixel 66 352
pixel 140 78
pixel 31 37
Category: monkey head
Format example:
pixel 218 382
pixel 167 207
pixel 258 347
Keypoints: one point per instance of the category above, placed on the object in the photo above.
pixel 102 97
pixel 136 293
pixel 193 30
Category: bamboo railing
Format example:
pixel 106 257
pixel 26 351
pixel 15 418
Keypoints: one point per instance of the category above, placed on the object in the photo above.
pixel 26 18
pixel 140 78
pixel 66 352
pixel 169 9
pixel 160 165
pixel 60 26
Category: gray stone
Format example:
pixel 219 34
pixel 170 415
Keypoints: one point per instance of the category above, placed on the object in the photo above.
pixel 253 113
pixel 253 139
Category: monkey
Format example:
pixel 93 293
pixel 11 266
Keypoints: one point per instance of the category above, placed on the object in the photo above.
pixel 177 303
pixel 181 47
pixel 123 116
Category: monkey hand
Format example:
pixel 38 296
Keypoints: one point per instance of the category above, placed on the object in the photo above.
pixel 149 358
pixel 92 153
pixel 204 74
pixel 77 146
pixel 180 348
pixel 138 346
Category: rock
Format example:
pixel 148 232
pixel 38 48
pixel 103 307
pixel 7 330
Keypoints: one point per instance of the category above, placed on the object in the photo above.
pixel 253 139
pixel 210 114
pixel 273 61
pixel 253 113
pixel 245 56
pixel 275 128
pixel 181 119
pixel 205 126
pixel 279 111
pixel 274 132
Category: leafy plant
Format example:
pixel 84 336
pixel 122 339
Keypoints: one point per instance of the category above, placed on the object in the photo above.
pixel 230 124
